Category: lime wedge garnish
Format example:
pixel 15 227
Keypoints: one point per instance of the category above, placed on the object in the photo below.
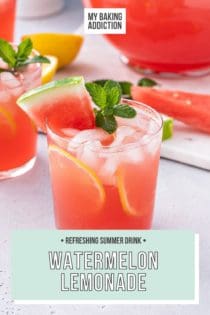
pixel 168 126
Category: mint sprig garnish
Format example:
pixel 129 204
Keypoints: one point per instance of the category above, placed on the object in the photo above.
pixel 107 99
pixel 7 53
pixel 125 86
pixel 16 59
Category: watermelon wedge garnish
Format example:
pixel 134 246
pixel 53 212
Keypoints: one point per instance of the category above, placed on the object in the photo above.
pixel 190 108
pixel 65 102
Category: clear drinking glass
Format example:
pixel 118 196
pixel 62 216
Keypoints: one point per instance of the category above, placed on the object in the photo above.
pixel 18 134
pixel 103 181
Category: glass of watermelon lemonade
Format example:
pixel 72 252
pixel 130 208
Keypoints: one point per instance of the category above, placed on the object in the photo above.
pixel 103 181
pixel 18 135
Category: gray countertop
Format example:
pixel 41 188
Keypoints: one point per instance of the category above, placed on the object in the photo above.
pixel 183 202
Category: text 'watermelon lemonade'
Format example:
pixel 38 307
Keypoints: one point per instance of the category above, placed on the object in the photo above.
pixel 106 181
pixel 18 134
pixel 163 35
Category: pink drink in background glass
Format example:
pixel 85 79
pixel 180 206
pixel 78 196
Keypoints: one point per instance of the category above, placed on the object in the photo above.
pixel 18 134
pixel 163 35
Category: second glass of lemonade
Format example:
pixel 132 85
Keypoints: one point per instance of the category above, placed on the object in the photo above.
pixel 18 134
pixel 103 181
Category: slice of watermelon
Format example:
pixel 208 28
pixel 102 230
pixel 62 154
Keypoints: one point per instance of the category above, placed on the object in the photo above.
pixel 190 108
pixel 65 102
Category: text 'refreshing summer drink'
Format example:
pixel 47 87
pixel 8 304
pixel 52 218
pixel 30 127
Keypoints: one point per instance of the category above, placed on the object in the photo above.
pixel 19 72
pixel 7 19
pixel 103 181
pixel 163 35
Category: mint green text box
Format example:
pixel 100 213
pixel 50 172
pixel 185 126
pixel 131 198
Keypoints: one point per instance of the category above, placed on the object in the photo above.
pixel 32 278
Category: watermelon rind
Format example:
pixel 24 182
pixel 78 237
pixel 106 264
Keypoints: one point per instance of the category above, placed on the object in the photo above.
pixel 43 89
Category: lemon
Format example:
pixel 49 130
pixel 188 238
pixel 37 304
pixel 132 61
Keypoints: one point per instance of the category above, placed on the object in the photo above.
pixel 63 46
pixel 123 194
pixel 134 190
pixel 82 185
pixel 49 69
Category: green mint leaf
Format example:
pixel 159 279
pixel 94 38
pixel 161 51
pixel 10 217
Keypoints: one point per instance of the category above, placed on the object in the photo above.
pixel 124 111
pixel 107 95
pixel 97 94
pixel 108 123
pixel 113 92
pixel 125 87
pixel 24 50
pixel 7 53
pixel 108 110
pixel 35 59
pixel 146 82
pixel 100 82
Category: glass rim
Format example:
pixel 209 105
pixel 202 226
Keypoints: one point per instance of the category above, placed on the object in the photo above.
pixel 119 147
pixel 38 67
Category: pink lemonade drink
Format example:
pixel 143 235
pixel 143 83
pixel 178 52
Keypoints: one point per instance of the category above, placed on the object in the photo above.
pixel 7 19
pixel 163 35
pixel 18 134
pixel 103 181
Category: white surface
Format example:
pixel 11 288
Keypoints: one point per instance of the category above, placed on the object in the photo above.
pixel 183 202
pixel 188 146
